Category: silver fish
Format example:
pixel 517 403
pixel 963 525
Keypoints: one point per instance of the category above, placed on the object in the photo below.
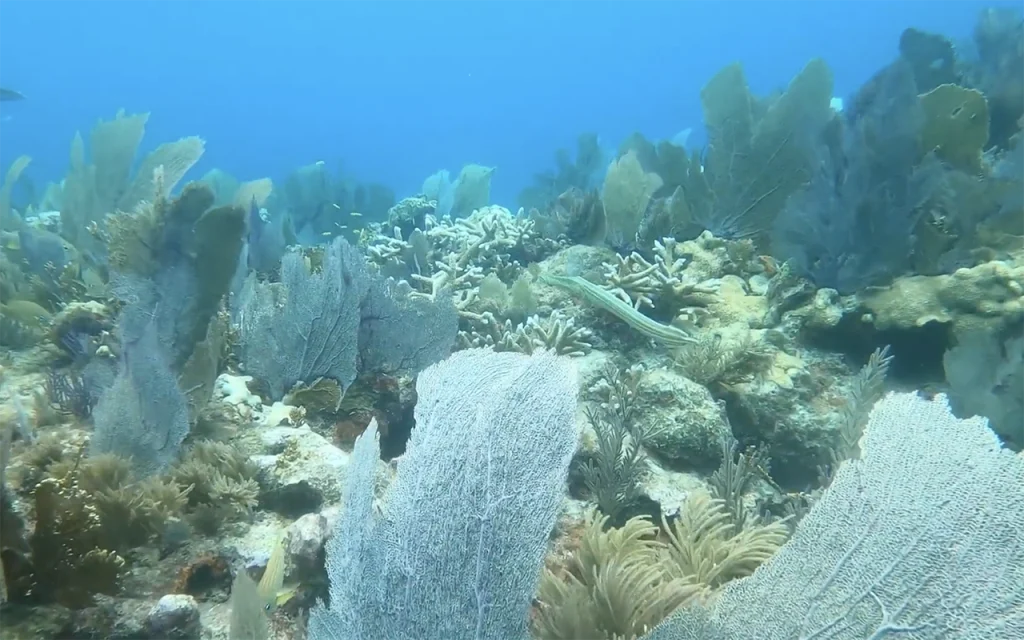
pixel 10 95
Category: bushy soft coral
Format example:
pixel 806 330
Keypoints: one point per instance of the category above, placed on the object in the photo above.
pixel 222 482
pixel 69 561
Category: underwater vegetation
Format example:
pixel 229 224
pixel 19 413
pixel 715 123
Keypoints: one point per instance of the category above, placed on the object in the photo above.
pixel 768 388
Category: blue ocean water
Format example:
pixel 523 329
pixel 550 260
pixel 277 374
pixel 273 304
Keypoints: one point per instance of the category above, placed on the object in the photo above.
pixel 394 91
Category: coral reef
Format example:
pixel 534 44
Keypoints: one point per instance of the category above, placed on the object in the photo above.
pixel 667 397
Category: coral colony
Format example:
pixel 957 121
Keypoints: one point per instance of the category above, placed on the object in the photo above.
pixel 769 388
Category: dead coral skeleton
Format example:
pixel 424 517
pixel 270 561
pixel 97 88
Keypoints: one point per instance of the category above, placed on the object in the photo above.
pixel 556 333
pixel 485 239
pixel 661 284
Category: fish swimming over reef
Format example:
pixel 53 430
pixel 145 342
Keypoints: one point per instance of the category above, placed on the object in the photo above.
pixel 251 603
pixel 272 592
pixel 273 578
pixel 10 95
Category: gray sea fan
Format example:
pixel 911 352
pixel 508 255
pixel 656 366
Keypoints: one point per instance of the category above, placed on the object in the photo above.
pixel 307 326
pixel 143 416
pixel 399 332
pixel 922 538
pixel 457 549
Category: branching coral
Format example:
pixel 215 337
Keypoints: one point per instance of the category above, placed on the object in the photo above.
pixel 662 285
pixel 715 361
pixel 472 259
pixel 491 239
pixel 394 255
pixel 494 239
pixel 555 333
pixel 454 274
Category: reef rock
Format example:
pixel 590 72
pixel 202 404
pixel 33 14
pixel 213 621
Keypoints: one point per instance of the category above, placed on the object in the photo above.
pixel 234 391
pixel 304 544
pixel 174 616
pixel 736 303
pixel 577 260
pixel 304 470
pixel 988 297
pixel 670 489
pixel 685 422
pixel 710 257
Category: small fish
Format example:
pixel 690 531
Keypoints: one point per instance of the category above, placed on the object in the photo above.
pixel 286 594
pixel 22 422
pixel 326 234
pixel 26 312
pixel 769 264
pixel 9 95
pixel 273 577
pixel 356 214
pixel 319 163
pixel 335 205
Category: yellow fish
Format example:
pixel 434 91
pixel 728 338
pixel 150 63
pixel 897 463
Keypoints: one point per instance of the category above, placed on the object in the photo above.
pixel 273 577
